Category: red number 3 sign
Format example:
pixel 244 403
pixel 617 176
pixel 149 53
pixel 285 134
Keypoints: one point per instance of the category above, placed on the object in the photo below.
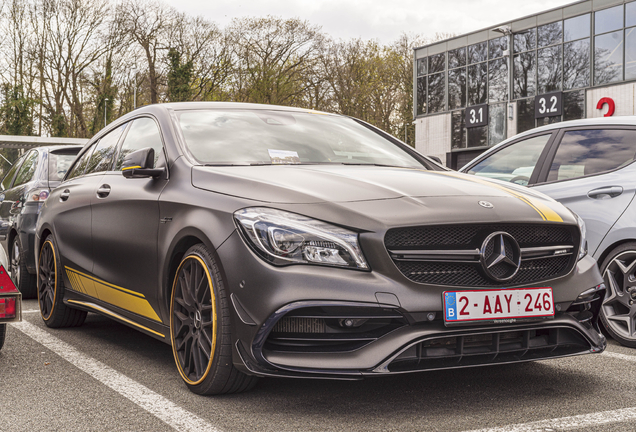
pixel 610 106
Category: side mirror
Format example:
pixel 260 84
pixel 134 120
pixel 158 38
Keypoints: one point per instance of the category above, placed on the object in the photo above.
pixel 435 158
pixel 139 164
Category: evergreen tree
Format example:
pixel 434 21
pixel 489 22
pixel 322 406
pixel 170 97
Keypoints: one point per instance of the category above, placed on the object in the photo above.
pixel 179 77
pixel 16 117
pixel 106 92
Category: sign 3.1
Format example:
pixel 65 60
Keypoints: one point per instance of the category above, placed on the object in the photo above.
pixel 548 105
pixel 477 115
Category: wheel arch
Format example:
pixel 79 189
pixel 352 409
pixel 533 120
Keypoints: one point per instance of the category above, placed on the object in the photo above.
pixel 183 241
pixel 610 248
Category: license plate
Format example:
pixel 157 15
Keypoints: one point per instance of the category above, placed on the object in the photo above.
pixel 498 306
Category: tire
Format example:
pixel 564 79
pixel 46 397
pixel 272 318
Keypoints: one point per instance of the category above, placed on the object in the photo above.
pixel 618 312
pixel 200 330
pixel 3 334
pixel 23 280
pixel 54 312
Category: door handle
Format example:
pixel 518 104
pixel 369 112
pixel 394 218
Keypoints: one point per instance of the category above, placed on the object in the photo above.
pixel 64 195
pixel 605 192
pixel 103 191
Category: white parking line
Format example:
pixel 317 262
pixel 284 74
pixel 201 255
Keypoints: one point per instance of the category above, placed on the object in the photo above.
pixel 141 395
pixel 569 423
pixel 619 356
pixel 31 311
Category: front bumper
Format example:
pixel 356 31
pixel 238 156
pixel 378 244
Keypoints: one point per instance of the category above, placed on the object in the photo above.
pixel 415 337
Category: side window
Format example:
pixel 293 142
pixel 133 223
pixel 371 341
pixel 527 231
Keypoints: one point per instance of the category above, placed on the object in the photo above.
pixel 144 132
pixel 514 163
pixel 585 152
pixel 80 166
pixel 59 162
pixel 104 153
pixel 6 182
pixel 27 169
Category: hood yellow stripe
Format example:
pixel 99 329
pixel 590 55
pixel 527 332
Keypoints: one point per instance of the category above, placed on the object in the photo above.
pixel 538 205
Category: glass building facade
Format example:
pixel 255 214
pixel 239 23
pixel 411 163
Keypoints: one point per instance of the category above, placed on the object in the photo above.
pixel 566 50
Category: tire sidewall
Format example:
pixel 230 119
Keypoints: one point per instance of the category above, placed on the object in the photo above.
pixel 625 247
pixel 199 251
pixel 59 283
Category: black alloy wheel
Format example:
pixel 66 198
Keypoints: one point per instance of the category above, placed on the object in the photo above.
pixel 51 290
pixel 618 312
pixel 23 280
pixel 200 327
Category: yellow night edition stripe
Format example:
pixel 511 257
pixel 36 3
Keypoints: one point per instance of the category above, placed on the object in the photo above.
pixel 538 205
pixel 112 294
pixel 129 168
pixel 113 314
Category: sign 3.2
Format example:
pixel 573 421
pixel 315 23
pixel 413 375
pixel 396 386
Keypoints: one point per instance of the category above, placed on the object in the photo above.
pixel 548 105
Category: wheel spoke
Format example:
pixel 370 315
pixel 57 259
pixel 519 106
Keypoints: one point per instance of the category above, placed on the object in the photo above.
pixel 618 308
pixel 192 323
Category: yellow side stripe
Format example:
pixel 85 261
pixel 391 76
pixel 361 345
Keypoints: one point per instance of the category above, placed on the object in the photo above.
pixel 539 206
pixel 117 296
pixel 119 317
pixel 94 279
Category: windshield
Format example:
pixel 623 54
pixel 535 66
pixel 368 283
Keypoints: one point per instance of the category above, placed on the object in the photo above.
pixel 255 137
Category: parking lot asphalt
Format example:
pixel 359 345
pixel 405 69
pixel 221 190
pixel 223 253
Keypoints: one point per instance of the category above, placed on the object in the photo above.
pixel 105 376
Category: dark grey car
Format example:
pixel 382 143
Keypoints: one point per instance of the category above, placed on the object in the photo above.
pixel 271 241
pixel 23 190
pixel 588 166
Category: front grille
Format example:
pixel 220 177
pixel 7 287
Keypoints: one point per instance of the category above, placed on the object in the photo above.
pixel 490 348
pixel 464 274
pixel 331 329
pixel 454 236
pixel 448 270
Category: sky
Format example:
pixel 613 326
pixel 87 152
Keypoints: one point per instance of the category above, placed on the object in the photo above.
pixel 382 20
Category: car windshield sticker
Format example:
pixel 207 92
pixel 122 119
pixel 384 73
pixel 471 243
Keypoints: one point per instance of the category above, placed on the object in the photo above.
pixel 280 157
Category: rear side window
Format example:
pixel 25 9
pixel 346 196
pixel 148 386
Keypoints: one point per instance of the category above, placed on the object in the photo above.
pixel 27 169
pixel 586 152
pixel 6 182
pixel 143 133
pixel 80 166
pixel 513 163
pixel 103 155
pixel 60 162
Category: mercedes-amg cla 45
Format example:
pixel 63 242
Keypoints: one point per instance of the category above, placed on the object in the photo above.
pixel 270 241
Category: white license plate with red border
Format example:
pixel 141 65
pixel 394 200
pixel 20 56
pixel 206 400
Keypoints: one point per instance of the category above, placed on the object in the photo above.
pixel 494 305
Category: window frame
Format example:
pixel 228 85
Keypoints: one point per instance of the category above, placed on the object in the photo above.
pixel 17 164
pixel 554 145
pixel 24 159
pixel 124 135
pixel 540 161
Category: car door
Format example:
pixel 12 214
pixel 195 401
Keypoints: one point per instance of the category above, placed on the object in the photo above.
pixel 125 224
pixel 584 170
pixel 72 220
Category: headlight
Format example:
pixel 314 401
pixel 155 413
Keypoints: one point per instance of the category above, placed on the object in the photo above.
pixel 583 245
pixel 288 238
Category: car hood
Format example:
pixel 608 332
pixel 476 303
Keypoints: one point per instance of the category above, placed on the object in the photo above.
pixel 342 184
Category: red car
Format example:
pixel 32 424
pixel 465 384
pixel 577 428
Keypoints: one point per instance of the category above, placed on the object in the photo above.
pixel 10 299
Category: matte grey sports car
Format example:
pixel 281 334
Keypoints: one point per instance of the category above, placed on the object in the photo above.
pixel 271 241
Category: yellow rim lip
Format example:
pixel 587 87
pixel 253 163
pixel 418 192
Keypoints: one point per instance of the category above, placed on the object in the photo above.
pixel 174 352
pixel 55 290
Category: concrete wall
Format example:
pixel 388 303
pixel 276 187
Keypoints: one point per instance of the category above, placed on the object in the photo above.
pixel 433 135
pixel 622 94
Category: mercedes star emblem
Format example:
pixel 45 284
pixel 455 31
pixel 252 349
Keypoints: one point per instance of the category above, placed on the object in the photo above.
pixel 500 256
